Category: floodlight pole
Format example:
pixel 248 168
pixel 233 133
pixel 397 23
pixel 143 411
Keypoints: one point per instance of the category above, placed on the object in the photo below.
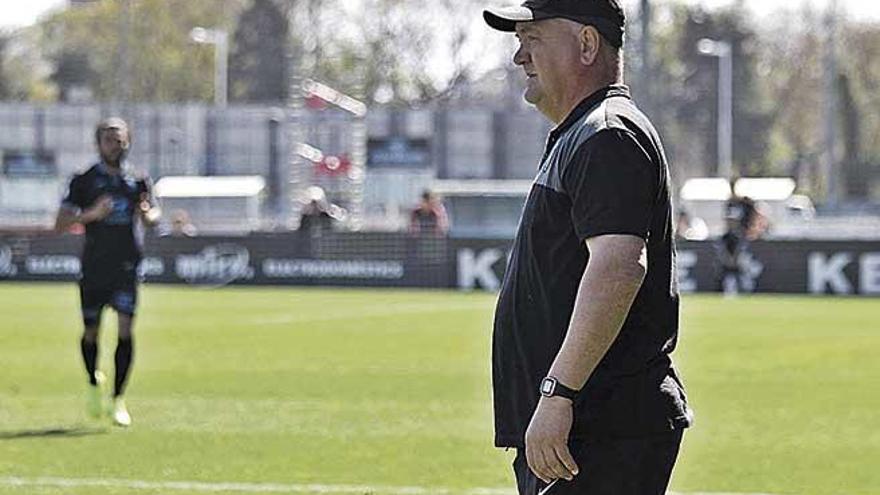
pixel 723 51
pixel 829 158
pixel 646 61
pixel 220 39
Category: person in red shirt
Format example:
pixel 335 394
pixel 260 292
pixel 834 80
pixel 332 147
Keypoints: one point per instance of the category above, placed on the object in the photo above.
pixel 429 217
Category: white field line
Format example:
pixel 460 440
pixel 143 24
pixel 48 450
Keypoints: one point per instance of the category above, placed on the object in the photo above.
pixel 217 487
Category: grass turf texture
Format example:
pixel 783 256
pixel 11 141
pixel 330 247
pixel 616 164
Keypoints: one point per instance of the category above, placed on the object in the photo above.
pixel 392 388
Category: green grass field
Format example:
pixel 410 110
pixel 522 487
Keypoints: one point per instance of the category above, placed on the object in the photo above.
pixel 379 391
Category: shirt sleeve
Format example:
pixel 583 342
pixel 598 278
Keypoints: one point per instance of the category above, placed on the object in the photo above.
pixel 145 189
pixel 74 198
pixel 612 184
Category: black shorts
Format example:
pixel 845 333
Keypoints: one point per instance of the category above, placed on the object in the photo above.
pixel 615 466
pixel 122 297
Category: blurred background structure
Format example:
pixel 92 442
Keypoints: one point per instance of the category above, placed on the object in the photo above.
pixel 373 105
pixel 385 143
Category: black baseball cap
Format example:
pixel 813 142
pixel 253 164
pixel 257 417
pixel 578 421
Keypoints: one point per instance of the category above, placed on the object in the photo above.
pixel 607 16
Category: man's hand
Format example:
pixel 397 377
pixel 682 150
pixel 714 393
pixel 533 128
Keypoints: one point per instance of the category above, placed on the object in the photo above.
pixel 149 214
pixel 547 440
pixel 98 211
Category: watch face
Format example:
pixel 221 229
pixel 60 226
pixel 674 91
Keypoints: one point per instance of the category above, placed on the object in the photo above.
pixel 548 386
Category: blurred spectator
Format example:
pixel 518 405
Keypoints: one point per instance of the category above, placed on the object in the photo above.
pixel 691 228
pixel 181 226
pixel 315 218
pixel 318 214
pixel 729 248
pixel 743 214
pixel 429 217
pixel 744 223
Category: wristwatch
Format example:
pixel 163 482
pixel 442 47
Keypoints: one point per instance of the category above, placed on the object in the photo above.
pixel 550 387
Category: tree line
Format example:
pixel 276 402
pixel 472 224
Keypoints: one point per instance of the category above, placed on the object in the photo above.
pixel 388 51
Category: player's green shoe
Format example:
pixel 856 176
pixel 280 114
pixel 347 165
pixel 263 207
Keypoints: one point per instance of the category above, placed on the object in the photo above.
pixel 120 413
pixel 95 397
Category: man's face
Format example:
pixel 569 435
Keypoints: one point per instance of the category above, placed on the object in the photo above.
pixel 548 52
pixel 113 143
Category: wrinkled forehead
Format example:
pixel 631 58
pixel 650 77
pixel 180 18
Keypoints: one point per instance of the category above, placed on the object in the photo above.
pixel 528 27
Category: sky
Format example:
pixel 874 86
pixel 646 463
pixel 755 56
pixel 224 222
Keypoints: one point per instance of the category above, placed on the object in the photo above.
pixel 17 13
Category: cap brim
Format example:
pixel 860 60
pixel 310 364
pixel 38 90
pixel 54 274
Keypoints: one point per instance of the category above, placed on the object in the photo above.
pixel 505 18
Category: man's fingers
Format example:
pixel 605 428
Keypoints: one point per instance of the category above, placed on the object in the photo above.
pixel 535 459
pixel 546 471
pixel 564 456
pixel 555 467
pixel 550 462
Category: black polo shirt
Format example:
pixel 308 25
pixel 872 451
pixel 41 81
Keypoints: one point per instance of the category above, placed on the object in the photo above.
pixel 603 172
pixel 112 248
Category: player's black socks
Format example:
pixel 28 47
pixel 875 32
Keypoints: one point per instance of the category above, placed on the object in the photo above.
pixel 124 353
pixel 89 350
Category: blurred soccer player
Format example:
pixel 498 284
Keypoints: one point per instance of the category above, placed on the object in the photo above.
pixel 108 200
pixel 587 315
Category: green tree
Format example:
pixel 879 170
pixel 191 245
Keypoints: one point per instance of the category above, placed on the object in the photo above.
pixel 861 59
pixel 260 60
pixel 794 65
pixel 685 88
pixel 72 70
pixel 855 171
pixel 791 54
pixel 140 49
pixel 5 89
pixel 382 50
pixel 21 70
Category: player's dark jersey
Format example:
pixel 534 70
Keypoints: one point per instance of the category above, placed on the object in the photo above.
pixel 112 250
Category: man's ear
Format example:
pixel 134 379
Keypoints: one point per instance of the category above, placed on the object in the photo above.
pixel 590 42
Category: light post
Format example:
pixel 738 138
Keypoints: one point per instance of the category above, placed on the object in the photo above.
pixel 220 40
pixel 722 50
pixel 829 156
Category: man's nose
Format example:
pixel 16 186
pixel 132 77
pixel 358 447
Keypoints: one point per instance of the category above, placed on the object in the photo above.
pixel 520 56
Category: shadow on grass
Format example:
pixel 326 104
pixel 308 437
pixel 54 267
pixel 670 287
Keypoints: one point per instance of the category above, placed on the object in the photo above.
pixel 59 432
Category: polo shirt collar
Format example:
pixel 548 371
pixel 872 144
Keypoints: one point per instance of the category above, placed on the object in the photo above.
pixel 588 103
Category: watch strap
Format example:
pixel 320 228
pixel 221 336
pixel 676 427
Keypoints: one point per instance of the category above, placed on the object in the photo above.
pixel 552 387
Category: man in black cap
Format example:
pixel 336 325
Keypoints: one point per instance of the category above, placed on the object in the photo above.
pixel 584 386
pixel 108 200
